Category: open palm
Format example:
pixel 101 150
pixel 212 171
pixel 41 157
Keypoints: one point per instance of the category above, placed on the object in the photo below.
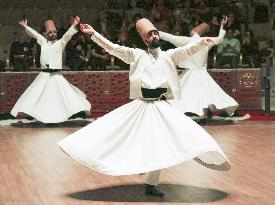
pixel 23 23
pixel 87 29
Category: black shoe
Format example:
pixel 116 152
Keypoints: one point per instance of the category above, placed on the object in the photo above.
pixel 209 114
pixel 237 114
pixel 51 124
pixel 151 190
pixel 223 114
pixel 202 121
pixel 28 117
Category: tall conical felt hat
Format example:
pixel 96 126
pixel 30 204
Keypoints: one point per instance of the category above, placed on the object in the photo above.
pixel 143 26
pixel 50 25
pixel 202 29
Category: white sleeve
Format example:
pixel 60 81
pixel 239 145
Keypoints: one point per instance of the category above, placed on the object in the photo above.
pixel 219 39
pixel 67 36
pixel 34 34
pixel 182 53
pixel 126 54
pixel 178 41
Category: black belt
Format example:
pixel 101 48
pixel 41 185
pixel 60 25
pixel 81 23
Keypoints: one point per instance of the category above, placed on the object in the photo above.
pixel 157 93
pixel 47 70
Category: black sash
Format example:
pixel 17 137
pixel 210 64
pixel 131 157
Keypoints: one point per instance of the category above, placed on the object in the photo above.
pixel 157 93
pixel 47 70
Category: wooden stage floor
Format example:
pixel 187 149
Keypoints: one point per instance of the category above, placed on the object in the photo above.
pixel 33 170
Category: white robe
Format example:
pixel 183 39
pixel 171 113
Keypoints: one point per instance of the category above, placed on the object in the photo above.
pixel 51 98
pixel 198 89
pixel 143 136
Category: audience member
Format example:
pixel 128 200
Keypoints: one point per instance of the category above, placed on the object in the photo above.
pixel 250 49
pixel 229 51
pixel 19 53
pixel 76 53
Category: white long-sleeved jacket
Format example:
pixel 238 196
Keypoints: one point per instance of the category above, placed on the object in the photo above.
pixel 198 60
pixel 140 60
pixel 51 52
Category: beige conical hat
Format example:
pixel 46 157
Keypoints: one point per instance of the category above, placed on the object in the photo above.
pixel 143 26
pixel 202 29
pixel 50 25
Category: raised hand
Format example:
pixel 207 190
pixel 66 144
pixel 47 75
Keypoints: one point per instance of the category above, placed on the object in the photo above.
pixel 23 23
pixel 224 21
pixel 76 21
pixel 87 29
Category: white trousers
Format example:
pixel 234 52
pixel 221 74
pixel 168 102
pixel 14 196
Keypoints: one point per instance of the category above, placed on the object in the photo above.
pixel 152 178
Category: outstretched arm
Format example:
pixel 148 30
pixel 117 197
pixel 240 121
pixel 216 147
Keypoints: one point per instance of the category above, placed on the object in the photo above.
pixel 126 54
pixel 31 32
pixel 69 34
pixel 178 41
pixel 182 53
pixel 219 39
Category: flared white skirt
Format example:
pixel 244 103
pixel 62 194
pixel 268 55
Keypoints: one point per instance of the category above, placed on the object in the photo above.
pixel 51 99
pixel 142 136
pixel 199 91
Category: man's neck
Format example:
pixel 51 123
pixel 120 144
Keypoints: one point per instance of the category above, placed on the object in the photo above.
pixel 154 51
pixel 52 41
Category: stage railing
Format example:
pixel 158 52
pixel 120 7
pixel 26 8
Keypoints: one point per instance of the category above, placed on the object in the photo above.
pixel 107 90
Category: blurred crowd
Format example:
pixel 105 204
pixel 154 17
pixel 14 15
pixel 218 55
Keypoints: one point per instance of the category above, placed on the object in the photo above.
pixel 177 17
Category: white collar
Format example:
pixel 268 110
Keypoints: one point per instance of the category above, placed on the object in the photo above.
pixel 52 42
pixel 154 52
pixel 196 36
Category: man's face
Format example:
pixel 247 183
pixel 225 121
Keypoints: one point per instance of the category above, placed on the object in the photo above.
pixel 229 34
pixel 52 35
pixel 152 39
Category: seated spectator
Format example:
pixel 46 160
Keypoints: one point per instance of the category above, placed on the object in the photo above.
pixel 20 56
pixel 229 51
pixel 250 50
pixel 76 53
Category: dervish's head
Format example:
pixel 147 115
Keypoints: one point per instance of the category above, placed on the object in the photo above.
pixel 201 29
pixel 51 32
pixel 148 33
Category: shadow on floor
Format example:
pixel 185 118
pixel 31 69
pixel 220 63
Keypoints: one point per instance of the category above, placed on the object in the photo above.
pixel 135 193
pixel 219 122
pixel 37 124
